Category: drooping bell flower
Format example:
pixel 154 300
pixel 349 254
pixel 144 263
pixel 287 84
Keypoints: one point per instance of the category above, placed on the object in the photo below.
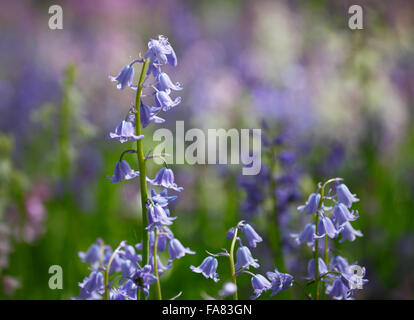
pixel 207 268
pixel 124 132
pixel 157 217
pixel 337 290
pixel 164 101
pixel 306 236
pixel 177 250
pixel 341 214
pixel 311 205
pixel 280 281
pixel 326 227
pixel 123 172
pixel 145 278
pixel 125 77
pixel 251 235
pixel 164 83
pixel 245 259
pixel 260 284
pixel 345 196
pixel 349 233
pixel 165 178
pixel 149 114
pixel 160 52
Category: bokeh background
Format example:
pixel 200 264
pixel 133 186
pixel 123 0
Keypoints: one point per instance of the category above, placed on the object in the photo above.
pixel 331 102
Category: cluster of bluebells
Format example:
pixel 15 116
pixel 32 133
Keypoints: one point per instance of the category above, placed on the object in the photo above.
pixel 125 260
pixel 274 281
pixel 333 221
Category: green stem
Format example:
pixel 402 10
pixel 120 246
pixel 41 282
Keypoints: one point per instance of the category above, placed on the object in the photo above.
pixel 108 266
pixel 231 258
pixel 141 165
pixel 158 284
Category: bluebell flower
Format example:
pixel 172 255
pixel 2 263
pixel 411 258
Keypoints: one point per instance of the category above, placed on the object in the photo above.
pixel 130 254
pixel 149 114
pixel 338 290
pixel 157 216
pixel 125 77
pixel 345 196
pixel 127 291
pixel 306 236
pixel 353 281
pixel 163 199
pixel 259 284
pixel 311 206
pixel 165 178
pixel 341 214
pixel 230 234
pixel 145 278
pixel 326 227
pixel 93 255
pixel 339 263
pixel 92 287
pixel 164 235
pixel 349 233
pixel 245 259
pixel 123 172
pixel 207 268
pixel 311 268
pixel 164 101
pixel 160 52
pixel 124 132
pixel 280 281
pixel 177 250
pixel 164 83
pixel 251 235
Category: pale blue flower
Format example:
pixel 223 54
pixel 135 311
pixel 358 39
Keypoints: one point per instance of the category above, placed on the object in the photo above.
pixel 207 268
pixel 245 259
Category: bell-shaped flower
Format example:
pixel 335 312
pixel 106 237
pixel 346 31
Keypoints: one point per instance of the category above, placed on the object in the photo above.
pixel 125 77
pixel 259 284
pixel 251 235
pixel 123 172
pixel 92 287
pixel 145 278
pixel 306 236
pixel 311 206
pixel 149 114
pixel 345 196
pixel 161 52
pixel 341 214
pixel 164 101
pixel 340 264
pixel 311 268
pixel 245 259
pixel 163 199
pixel 124 132
pixel 127 291
pixel 165 178
pixel 349 233
pixel 177 250
pixel 338 290
pixel 326 227
pixel 93 255
pixel 164 83
pixel 230 234
pixel 280 281
pixel 207 268
pixel 157 217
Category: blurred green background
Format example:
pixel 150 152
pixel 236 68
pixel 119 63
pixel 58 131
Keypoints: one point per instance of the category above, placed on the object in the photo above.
pixel 346 97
